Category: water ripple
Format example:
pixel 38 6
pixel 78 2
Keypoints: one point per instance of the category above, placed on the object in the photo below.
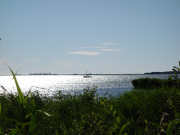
pixel 113 84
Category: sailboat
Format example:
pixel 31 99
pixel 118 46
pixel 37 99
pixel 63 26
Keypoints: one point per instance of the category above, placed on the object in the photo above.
pixel 87 76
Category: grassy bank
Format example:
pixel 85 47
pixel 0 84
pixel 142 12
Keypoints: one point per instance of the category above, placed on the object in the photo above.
pixel 137 112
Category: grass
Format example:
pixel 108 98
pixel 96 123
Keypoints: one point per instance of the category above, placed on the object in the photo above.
pixel 140 111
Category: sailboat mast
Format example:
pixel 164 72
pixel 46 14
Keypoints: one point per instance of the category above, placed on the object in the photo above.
pixel 87 76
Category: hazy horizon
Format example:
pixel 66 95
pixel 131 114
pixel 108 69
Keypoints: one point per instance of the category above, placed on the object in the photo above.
pixel 106 37
pixel 89 73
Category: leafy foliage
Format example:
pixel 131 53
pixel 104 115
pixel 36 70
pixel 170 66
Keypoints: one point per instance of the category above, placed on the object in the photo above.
pixel 154 83
pixel 176 69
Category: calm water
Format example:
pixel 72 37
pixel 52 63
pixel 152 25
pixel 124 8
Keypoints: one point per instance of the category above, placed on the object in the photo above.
pixel 111 84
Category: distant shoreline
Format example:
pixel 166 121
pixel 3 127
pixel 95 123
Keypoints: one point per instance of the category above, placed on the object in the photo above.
pixel 166 72
pixel 51 74
pixel 66 74
pixel 44 74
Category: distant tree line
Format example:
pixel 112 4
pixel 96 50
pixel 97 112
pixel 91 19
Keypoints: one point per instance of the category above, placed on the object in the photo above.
pixel 40 74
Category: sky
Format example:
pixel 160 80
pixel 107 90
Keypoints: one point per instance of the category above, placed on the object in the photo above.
pixel 104 36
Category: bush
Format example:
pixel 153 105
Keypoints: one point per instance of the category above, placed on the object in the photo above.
pixel 153 83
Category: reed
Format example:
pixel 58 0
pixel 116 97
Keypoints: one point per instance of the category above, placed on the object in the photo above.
pixel 18 112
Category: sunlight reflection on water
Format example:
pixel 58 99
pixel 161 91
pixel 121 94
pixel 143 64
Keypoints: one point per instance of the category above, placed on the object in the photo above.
pixel 113 84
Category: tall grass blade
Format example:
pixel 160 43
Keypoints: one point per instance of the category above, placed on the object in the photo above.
pixel 169 128
pixel 32 123
pixel 19 123
pixel 47 114
pixel 20 94
pixel 25 100
pixel 122 129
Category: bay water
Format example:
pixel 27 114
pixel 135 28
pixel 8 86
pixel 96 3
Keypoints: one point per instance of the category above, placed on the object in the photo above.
pixel 69 84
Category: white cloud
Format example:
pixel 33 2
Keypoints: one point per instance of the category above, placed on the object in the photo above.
pixel 109 43
pixel 111 50
pixel 96 50
pixel 92 47
pixel 92 53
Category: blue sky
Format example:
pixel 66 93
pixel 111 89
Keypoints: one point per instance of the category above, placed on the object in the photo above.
pixel 104 36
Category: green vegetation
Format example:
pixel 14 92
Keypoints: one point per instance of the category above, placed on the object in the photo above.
pixel 139 112
pixel 154 83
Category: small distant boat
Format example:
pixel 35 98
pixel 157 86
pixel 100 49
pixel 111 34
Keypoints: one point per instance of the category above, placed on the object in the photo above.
pixel 87 76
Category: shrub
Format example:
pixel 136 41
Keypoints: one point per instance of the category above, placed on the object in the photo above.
pixel 153 83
